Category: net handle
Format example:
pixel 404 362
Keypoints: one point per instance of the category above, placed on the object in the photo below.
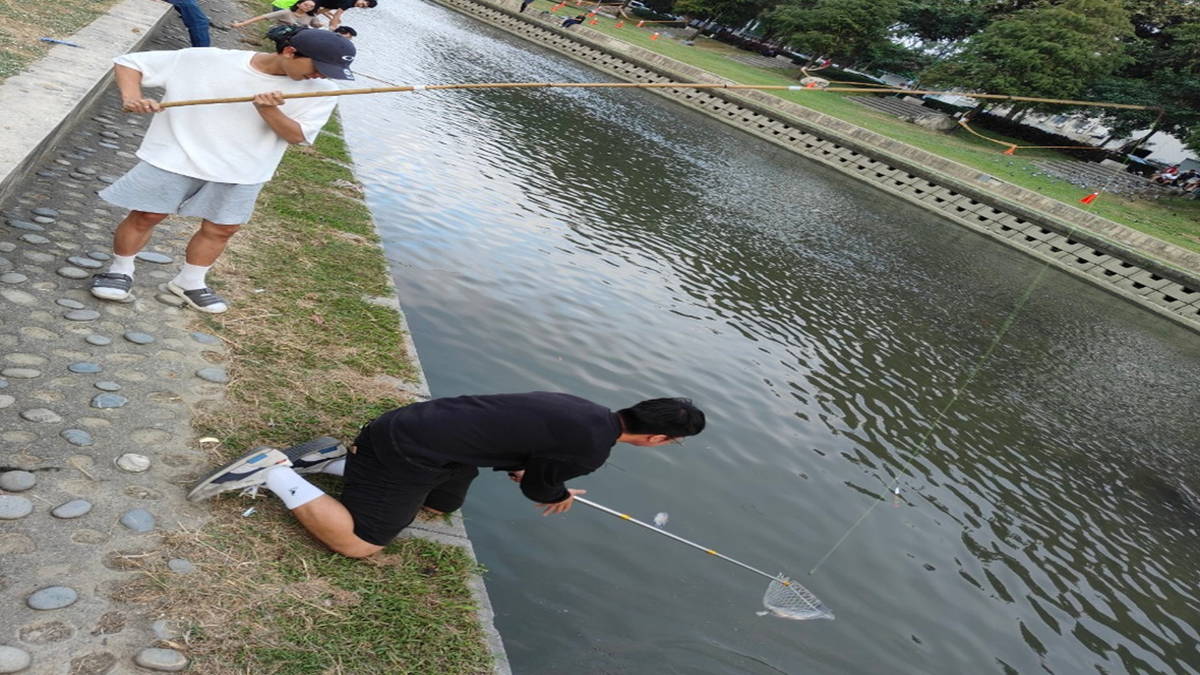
pixel 656 530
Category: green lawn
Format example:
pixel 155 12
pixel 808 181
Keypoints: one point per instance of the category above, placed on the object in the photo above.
pixel 1172 219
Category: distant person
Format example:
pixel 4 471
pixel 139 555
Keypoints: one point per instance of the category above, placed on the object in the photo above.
pixel 211 161
pixel 1167 176
pixel 425 455
pixel 524 4
pixel 334 9
pixel 299 14
pixel 195 20
pixel 575 20
pixel 346 32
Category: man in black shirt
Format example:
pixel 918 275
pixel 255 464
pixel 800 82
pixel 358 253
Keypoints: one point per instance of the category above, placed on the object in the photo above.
pixel 425 455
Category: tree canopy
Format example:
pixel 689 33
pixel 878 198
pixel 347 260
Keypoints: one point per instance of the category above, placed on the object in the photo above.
pixel 1145 52
pixel 843 29
pixel 1053 51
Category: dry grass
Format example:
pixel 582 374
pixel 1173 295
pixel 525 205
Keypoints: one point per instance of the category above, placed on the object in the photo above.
pixel 265 599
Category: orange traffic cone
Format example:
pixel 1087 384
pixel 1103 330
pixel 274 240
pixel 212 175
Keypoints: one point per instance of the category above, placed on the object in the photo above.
pixel 654 37
pixel 641 23
pixel 1090 198
pixel 619 24
pixel 811 85
pixel 594 22
pixel 1011 150
pixel 558 7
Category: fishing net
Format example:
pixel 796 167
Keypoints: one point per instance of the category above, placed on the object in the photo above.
pixel 789 600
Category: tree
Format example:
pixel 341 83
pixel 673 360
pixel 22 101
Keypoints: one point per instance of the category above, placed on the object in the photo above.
pixel 1051 51
pixel 842 29
pixel 1163 70
pixel 727 12
pixel 944 22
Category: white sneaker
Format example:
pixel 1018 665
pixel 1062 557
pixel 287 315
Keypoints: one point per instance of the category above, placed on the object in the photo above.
pixel 248 471
pixel 313 456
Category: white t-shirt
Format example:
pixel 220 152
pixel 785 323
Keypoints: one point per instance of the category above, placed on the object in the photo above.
pixel 224 142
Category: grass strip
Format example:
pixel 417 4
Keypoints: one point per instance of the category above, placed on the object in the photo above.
pixel 1172 219
pixel 309 354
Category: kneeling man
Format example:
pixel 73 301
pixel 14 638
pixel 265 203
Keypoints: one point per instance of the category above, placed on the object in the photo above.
pixel 425 455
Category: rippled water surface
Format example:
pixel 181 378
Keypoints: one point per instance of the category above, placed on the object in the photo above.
pixel 609 244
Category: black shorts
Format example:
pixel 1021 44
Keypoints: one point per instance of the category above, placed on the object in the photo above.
pixel 383 498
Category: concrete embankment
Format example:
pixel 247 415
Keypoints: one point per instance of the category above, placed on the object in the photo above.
pixel 97 399
pixel 1156 275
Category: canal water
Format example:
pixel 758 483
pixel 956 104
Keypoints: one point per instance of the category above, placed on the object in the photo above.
pixel 615 246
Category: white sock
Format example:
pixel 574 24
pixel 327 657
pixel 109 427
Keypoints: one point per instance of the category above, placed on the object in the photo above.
pixel 122 264
pixel 337 467
pixel 191 277
pixel 291 487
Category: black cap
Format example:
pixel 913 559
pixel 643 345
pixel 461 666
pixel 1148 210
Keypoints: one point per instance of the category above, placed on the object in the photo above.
pixel 331 53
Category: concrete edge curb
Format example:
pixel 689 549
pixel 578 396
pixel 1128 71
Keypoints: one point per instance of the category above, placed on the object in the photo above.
pixel 44 100
pixel 454 532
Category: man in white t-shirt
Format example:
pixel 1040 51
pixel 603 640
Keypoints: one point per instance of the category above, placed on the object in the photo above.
pixel 210 161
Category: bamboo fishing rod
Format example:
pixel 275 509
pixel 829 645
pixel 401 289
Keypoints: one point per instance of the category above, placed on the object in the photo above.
pixel 650 85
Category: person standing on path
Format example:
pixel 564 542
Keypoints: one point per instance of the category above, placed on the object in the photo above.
pixel 425 455
pixel 211 161
pixel 195 20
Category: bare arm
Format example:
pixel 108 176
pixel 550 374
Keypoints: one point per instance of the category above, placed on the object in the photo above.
pixel 247 22
pixel 129 83
pixel 267 104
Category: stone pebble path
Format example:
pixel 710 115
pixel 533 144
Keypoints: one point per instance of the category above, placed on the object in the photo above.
pixel 96 400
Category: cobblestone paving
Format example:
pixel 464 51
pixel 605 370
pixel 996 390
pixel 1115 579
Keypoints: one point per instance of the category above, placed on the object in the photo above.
pixel 95 409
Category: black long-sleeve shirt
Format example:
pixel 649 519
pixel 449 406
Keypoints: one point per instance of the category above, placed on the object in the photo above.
pixel 552 437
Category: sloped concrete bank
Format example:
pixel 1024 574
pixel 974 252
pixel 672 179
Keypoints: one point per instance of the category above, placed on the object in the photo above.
pixel 1153 274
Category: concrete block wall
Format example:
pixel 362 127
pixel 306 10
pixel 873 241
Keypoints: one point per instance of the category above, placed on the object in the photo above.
pixel 1164 289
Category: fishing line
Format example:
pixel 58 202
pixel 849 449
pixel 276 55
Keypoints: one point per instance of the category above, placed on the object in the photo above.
pixel 966 381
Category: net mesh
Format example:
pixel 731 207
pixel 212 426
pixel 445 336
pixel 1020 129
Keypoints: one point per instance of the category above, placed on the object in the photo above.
pixel 789 600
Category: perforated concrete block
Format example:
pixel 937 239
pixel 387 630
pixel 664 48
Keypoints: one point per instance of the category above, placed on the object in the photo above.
pixel 1120 267
pixel 1103 273
pixel 1133 286
pixel 1054 251
pixel 1165 300
pixel 1150 279
pixel 1189 311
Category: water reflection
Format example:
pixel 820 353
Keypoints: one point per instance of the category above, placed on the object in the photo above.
pixel 610 245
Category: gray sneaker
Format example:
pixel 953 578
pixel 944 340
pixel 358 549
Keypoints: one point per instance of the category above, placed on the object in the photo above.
pixel 112 286
pixel 313 456
pixel 247 472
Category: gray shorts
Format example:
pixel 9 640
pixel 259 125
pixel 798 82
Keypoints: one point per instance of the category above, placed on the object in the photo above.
pixel 148 188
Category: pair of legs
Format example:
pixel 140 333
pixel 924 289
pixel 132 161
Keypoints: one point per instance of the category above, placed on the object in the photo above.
pixel 203 249
pixel 382 494
pixel 195 20
pixel 150 194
